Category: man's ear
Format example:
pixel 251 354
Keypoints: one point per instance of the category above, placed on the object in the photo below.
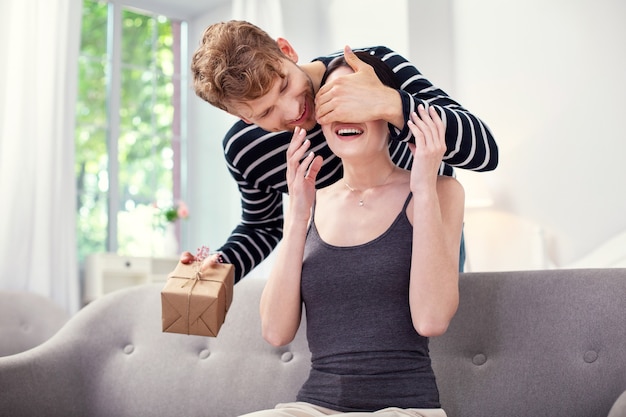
pixel 287 49
pixel 242 118
pixel 235 111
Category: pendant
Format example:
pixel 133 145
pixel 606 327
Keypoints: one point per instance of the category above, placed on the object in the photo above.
pixel 361 203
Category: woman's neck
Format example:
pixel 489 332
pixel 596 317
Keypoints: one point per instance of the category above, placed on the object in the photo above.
pixel 365 176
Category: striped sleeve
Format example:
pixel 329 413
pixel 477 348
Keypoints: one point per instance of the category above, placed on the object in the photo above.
pixel 261 225
pixel 470 143
pixel 254 238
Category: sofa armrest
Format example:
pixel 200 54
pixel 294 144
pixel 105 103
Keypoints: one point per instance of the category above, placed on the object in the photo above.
pixel 41 379
pixel 619 407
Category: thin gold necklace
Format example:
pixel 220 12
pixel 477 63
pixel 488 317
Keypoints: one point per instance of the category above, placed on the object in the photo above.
pixel 361 192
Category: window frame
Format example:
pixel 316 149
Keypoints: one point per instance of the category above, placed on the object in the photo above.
pixel 113 100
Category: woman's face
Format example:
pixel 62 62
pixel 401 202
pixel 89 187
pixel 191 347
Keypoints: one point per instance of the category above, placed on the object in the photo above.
pixel 355 140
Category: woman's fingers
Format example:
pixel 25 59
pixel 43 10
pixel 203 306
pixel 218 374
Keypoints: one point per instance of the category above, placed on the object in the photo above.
pixel 424 123
pixel 428 129
pixel 304 165
pixel 429 148
pixel 300 167
pixel 314 168
pixel 298 146
pixel 441 128
pixel 437 128
pixel 298 140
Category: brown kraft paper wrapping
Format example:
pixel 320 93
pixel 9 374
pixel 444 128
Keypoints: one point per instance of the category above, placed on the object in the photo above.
pixel 195 303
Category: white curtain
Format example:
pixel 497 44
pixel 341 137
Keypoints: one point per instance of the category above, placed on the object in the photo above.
pixel 266 14
pixel 40 42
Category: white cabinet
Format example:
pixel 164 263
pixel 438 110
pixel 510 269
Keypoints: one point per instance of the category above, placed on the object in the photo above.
pixel 106 272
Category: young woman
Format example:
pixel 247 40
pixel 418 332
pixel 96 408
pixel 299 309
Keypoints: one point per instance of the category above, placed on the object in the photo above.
pixel 373 258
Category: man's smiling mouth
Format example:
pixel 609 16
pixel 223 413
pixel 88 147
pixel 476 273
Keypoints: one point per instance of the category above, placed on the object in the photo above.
pixel 299 118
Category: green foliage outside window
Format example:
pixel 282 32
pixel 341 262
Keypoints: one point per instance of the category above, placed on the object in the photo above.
pixel 132 98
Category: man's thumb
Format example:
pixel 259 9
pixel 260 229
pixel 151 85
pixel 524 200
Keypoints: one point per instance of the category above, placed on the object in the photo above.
pixel 352 59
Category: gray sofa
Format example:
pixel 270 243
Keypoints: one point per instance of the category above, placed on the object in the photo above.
pixel 27 320
pixel 539 343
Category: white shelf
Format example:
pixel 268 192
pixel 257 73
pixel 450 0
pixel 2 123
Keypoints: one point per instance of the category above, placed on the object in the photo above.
pixel 108 272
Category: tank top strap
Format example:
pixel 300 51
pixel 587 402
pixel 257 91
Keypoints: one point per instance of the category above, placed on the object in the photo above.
pixel 408 200
pixel 311 224
pixel 313 206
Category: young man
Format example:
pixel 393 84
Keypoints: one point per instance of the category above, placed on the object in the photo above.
pixel 239 68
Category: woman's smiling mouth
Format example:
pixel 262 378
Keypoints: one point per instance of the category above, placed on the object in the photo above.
pixel 346 132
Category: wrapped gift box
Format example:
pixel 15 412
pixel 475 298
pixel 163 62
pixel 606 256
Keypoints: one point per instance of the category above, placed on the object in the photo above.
pixel 194 302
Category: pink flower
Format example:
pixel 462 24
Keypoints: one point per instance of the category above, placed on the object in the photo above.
pixel 202 253
pixel 182 210
pixel 178 211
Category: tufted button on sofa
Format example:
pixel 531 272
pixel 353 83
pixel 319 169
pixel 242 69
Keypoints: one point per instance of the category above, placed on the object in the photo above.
pixel 527 343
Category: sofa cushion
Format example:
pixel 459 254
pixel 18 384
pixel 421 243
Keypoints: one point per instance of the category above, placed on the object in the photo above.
pixel 523 343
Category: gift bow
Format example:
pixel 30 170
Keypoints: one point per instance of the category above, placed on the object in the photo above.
pixel 195 278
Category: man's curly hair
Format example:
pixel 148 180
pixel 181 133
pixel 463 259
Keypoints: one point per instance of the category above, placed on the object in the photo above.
pixel 235 62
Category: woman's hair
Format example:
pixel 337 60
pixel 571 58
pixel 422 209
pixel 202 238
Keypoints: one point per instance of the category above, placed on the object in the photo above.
pixel 236 61
pixel 383 72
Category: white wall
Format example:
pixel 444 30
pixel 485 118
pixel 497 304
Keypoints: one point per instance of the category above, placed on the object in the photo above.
pixel 546 76
pixel 212 194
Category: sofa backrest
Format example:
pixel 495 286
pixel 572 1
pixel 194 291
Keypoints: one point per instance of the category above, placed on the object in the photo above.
pixel 151 373
pixel 544 343
pixel 536 343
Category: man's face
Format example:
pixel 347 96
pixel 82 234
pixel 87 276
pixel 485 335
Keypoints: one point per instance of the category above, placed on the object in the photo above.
pixel 289 103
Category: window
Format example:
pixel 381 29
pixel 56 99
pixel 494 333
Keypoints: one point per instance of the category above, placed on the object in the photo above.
pixel 129 121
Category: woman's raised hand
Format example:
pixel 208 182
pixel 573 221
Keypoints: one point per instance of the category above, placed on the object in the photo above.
pixel 430 145
pixel 301 172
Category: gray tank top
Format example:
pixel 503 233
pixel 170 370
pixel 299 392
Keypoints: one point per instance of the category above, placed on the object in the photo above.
pixel 366 354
